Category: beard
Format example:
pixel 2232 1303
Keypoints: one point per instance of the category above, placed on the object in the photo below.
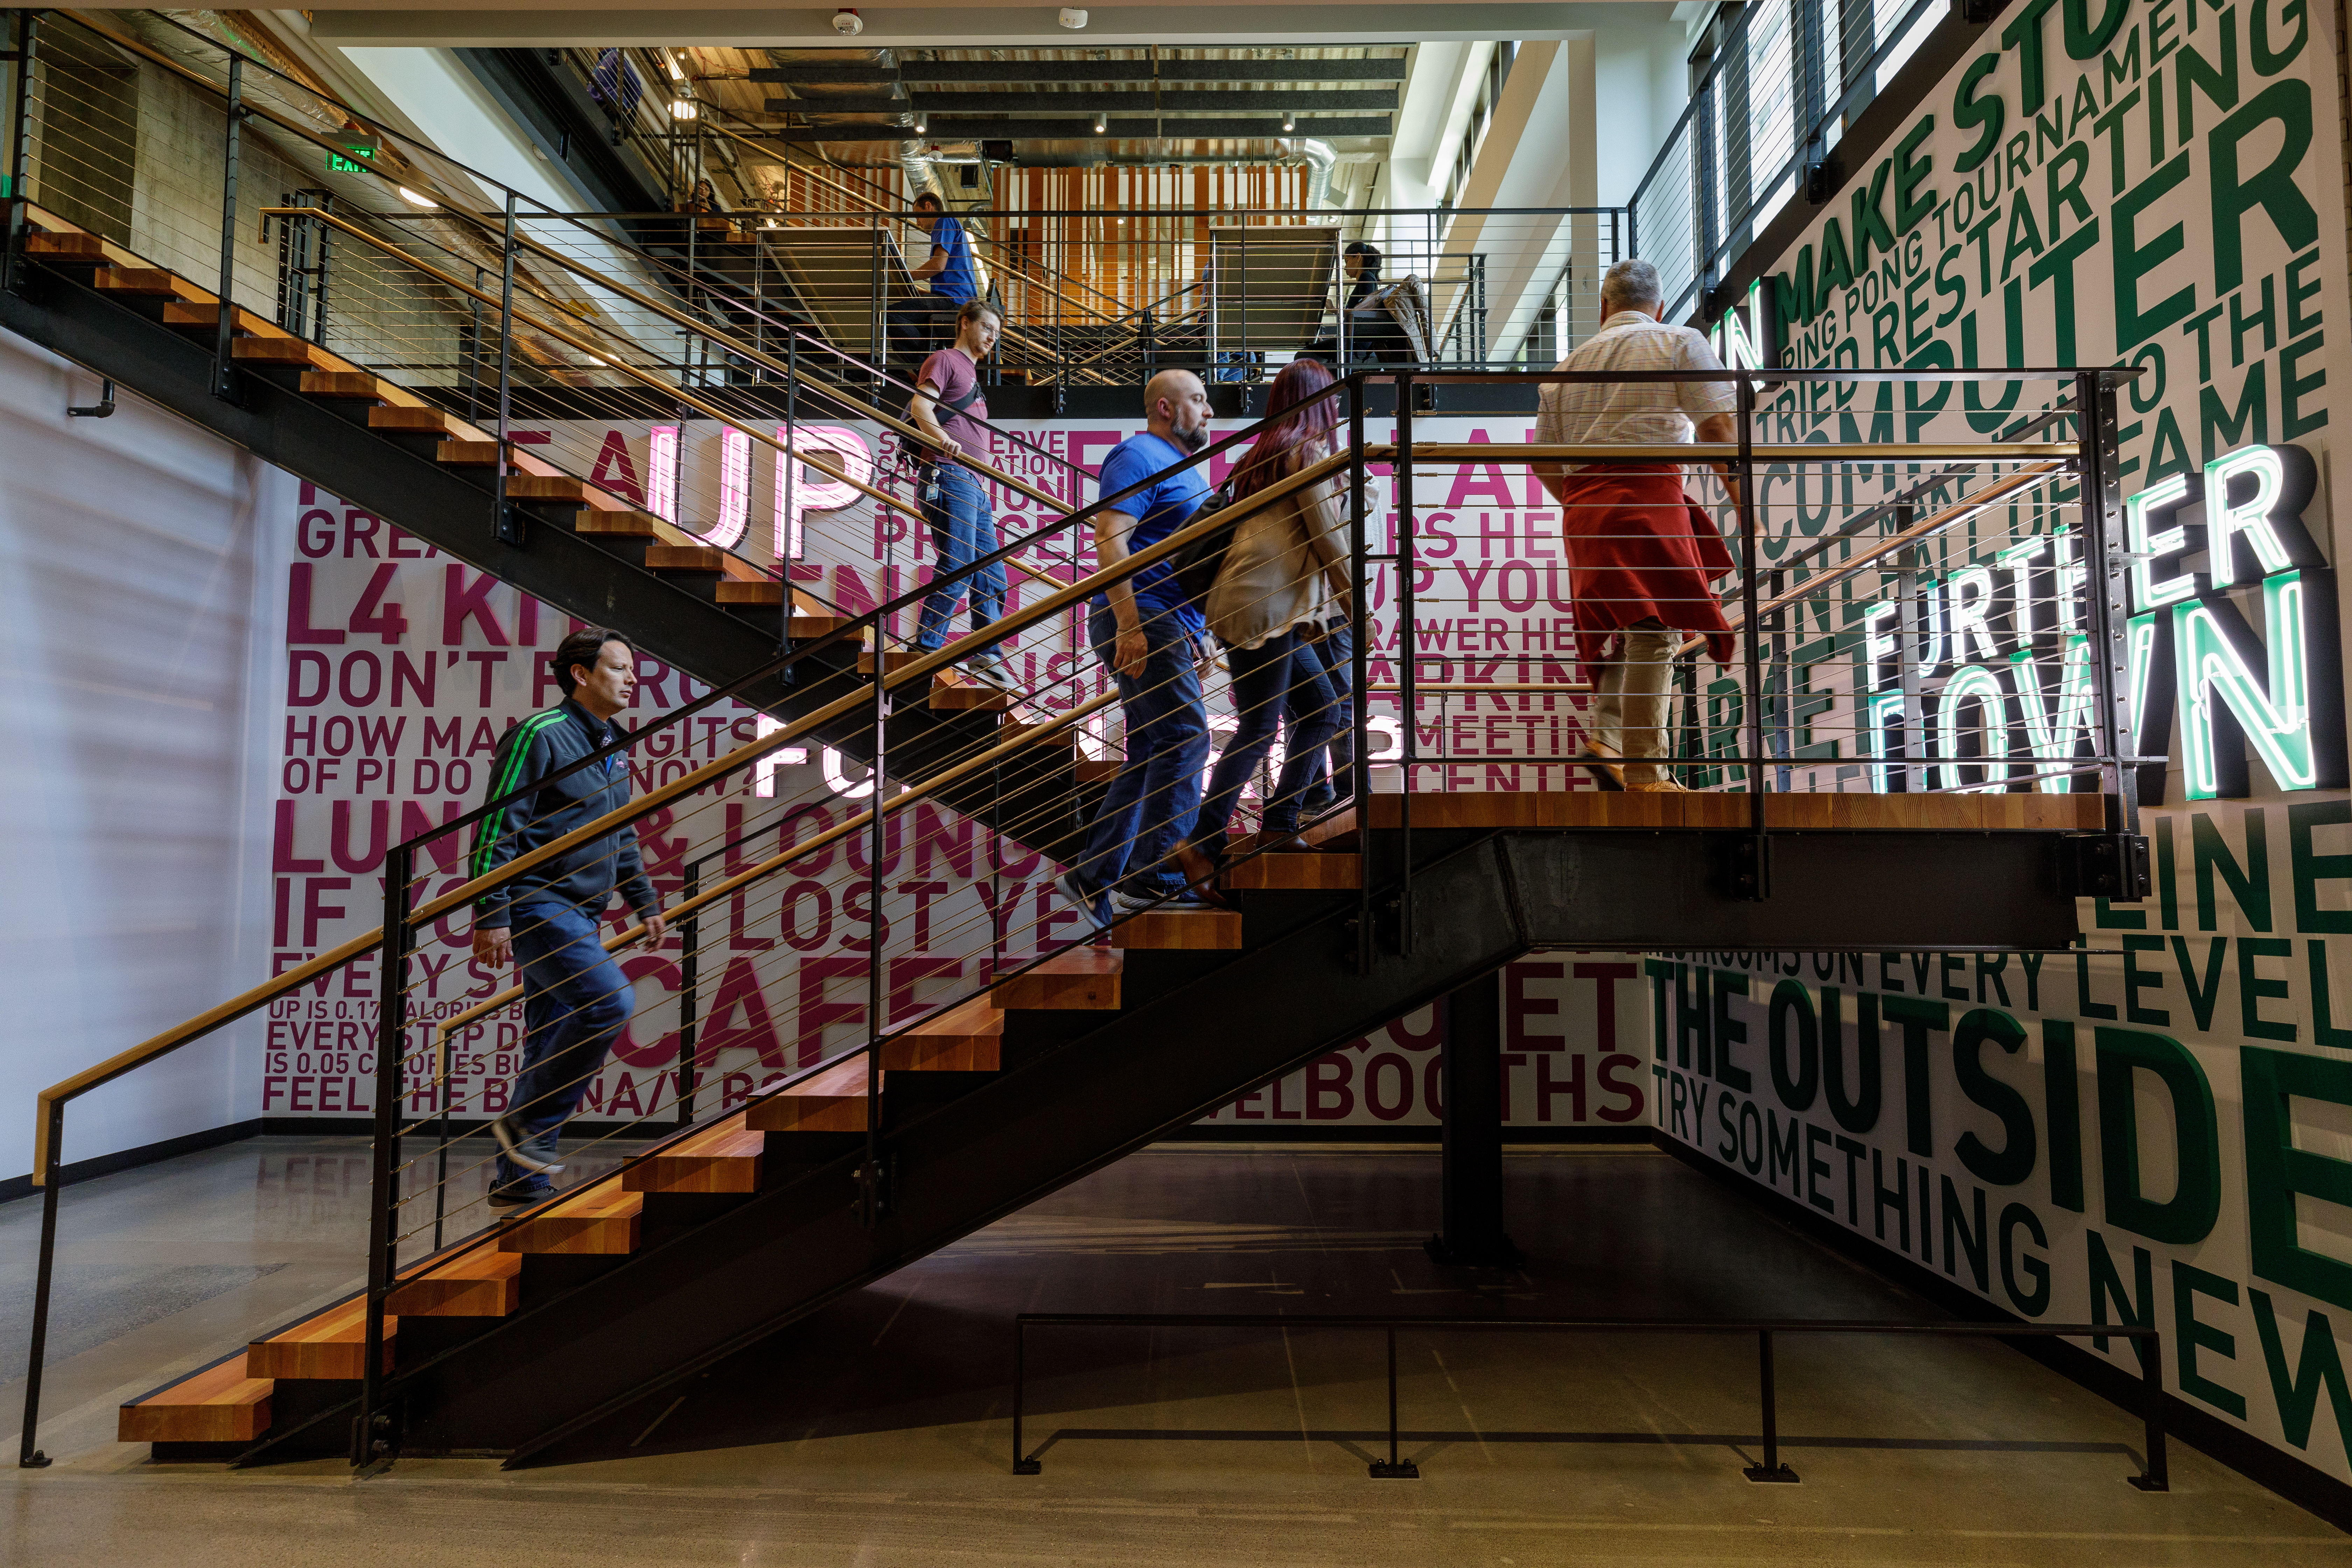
pixel 1192 441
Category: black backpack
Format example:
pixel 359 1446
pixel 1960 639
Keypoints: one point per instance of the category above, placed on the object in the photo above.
pixel 1196 565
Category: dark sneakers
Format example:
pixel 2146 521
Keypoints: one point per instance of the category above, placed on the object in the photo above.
pixel 520 1151
pixel 518 1195
pixel 1086 898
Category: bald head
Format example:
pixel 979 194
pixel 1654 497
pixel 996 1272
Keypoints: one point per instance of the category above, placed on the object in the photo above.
pixel 1176 406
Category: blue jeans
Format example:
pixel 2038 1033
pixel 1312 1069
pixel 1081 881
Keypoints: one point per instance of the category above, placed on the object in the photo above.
pixel 1280 675
pixel 574 1003
pixel 1337 654
pixel 1149 806
pixel 963 529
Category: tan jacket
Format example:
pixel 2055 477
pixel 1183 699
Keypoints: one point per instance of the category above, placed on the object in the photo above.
pixel 1283 556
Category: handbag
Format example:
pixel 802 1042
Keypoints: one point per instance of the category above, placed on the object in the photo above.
pixel 1197 565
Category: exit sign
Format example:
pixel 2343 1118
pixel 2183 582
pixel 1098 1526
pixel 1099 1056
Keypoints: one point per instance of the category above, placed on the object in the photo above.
pixel 339 164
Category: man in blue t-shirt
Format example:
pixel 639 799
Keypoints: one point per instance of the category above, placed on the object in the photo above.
pixel 1145 629
pixel 922 323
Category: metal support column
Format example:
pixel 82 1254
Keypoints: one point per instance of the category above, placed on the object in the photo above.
pixel 223 360
pixel 372 1437
pixel 20 145
pixel 689 980
pixel 1471 1207
pixel 1407 663
pixel 1751 875
pixel 503 518
pixel 29 1457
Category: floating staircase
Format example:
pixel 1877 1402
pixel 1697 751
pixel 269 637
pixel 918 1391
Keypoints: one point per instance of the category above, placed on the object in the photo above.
pixel 528 1337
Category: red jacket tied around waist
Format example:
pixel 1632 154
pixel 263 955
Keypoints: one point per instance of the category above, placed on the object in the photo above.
pixel 1639 548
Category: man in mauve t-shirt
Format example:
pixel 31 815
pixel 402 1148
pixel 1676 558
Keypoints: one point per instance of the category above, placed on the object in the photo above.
pixel 948 408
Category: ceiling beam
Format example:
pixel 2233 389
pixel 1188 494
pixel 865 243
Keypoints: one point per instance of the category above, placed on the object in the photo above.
pixel 1266 24
pixel 861 74
pixel 1271 99
pixel 1065 130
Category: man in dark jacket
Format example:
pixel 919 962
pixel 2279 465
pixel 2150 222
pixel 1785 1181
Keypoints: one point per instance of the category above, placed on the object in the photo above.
pixel 575 1000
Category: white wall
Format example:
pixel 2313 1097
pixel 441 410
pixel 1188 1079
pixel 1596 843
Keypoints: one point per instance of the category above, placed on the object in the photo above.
pixel 1641 81
pixel 136 837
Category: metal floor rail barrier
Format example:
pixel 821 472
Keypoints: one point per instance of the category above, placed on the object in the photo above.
pixel 2154 1477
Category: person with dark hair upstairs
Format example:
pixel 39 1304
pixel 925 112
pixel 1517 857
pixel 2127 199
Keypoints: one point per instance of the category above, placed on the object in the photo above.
pixel 575 998
pixel 1285 576
pixel 920 323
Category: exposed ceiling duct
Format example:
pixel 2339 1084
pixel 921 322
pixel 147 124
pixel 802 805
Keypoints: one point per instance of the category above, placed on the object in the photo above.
pixel 1318 157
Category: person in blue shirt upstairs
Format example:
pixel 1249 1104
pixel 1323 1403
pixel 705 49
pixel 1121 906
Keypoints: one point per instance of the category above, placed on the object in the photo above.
pixel 1150 635
pixel 923 323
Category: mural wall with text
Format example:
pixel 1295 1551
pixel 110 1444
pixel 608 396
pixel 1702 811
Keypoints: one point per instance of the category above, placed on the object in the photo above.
pixel 2156 1128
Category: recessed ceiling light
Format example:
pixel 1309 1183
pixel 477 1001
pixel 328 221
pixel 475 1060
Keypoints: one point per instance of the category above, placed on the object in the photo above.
pixel 1101 125
pixel 413 199
pixel 1289 121
pixel 682 109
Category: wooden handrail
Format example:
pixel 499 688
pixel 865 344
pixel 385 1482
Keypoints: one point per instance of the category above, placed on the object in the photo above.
pixel 1728 451
pixel 914 669
pixel 709 411
pixel 800 849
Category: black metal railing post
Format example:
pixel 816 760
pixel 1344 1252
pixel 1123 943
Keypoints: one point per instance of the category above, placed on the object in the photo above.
pixel 1407 656
pixel 2156 1475
pixel 504 519
pixel 28 1456
pixel 372 1433
pixel 1752 877
pixel 871 1198
pixel 1360 764
pixel 440 1132
pixel 689 962
pixel 1398 1468
pixel 20 143
pixel 1022 1464
pixel 225 329
pixel 1772 1469
pixel 2094 429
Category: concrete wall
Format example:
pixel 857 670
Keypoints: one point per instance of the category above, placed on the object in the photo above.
pixel 136 769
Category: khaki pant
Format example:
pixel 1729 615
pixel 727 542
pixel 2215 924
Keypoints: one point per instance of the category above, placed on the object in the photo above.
pixel 1629 710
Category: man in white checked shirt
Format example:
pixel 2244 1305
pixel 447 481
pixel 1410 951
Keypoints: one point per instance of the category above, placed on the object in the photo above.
pixel 1642 557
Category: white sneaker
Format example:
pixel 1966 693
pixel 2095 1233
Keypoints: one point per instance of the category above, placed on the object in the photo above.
pixel 990 668
pixel 520 1153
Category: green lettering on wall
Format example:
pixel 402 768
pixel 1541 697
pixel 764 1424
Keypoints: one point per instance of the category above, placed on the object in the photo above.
pixel 2014 1160
pixel 2249 883
pixel 1987 113
pixel 2139 1309
pixel 2191 1335
pixel 2286 103
pixel 2062 1100
pixel 2276 1171
pixel 2085 37
pixel 2320 1366
pixel 2135 261
pixel 1917 1016
pixel 2188 1216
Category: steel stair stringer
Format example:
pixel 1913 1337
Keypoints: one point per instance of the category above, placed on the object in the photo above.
pixel 1197 1029
pixel 1035 802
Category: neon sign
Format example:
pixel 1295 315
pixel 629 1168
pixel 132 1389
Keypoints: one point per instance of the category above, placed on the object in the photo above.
pixel 2190 650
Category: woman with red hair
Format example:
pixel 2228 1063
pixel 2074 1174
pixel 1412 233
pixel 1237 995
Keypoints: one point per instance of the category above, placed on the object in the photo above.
pixel 1285 576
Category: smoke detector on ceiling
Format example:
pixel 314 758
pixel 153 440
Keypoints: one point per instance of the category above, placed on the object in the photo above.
pixel 848 23
pixel 1073 17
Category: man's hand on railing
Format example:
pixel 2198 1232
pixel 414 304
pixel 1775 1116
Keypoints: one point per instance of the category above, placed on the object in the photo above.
pixel 494 945
pixel 656 927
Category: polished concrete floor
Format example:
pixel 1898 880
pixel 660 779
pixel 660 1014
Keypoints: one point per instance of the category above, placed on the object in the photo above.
pixel 879 1432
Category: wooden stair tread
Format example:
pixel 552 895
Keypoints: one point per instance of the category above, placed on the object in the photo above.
pixel 600 1219
pixel 66 246
pixel 1179 930
pixel 482 1282
pixel 361 385
pixel 899 660
pixel 1296 872
pixel 685 558
pixel 219 1405
pixel 154 282
pixel 1075 978
pixel 331 1345
pixel 280 351
pixel 413 421
pixel 470 453
pixel 618 524
pixel 967 1037
pixel 834 1100
pixel 1092 772
pixel 722 1158
pixel 953 692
